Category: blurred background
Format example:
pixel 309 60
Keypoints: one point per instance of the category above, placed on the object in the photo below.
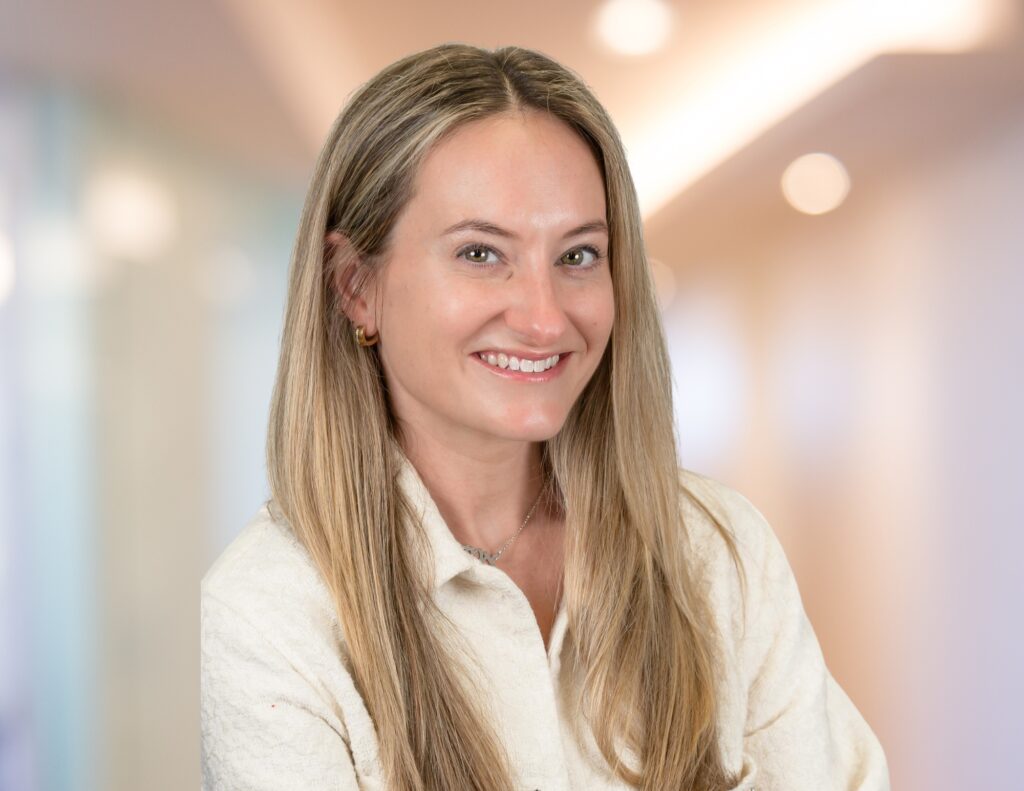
pixel 833 194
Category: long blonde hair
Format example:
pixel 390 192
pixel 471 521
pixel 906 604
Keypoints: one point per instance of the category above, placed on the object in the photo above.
pixel 639 631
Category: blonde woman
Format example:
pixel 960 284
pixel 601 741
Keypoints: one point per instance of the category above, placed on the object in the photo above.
pixel 481 566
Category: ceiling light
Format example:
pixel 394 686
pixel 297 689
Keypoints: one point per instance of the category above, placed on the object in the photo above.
pixel 131 215
pixel 815 183
pixel 765 73
pixel 634 27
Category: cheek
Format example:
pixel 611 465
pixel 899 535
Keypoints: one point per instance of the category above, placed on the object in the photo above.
pixel 598 315
pixel 412 314
pixel 416 304
pixel 427 325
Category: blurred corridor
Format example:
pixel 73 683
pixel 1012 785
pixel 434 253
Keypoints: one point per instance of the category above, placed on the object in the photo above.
pixel 845 330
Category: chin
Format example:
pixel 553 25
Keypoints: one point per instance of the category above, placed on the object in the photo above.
pixel 525 424
pixel 538 430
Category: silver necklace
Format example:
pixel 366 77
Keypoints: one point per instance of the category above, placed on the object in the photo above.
pixel 487 557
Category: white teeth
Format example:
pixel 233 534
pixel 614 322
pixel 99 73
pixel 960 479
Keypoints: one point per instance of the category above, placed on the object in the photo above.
pixel 515 364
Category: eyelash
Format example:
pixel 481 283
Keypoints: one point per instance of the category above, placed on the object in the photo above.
pixel 598 255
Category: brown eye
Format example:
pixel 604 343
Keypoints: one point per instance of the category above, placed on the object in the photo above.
pixel 477 254
pixel 577 258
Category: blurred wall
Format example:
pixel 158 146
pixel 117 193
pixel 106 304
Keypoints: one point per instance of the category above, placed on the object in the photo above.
pixel 49 528
pixel 140 341
pixel 860 371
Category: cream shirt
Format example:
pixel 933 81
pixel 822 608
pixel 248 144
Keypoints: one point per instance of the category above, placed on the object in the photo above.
pixel 280 710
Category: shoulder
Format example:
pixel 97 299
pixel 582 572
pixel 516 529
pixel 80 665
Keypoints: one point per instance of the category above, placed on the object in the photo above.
pixel 278 706
pixel 718 519
pixel 265 581
pixel 264 561
pixel 706 500
pixel 782 711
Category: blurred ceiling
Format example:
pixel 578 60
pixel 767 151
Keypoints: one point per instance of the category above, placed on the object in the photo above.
pixel 262 80
pixel 898 114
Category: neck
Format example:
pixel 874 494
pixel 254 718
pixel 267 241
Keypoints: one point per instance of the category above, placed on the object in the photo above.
pixel 482 492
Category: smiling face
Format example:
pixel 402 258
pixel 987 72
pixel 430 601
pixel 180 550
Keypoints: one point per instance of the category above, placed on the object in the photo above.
pixel 499 259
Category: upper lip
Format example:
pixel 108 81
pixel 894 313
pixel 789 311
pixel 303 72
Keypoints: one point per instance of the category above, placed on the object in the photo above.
pixel 521 355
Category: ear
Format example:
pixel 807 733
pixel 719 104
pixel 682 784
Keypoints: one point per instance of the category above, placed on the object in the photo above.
pixel 349 279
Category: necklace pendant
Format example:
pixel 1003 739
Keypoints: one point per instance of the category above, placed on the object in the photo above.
pixel 481 554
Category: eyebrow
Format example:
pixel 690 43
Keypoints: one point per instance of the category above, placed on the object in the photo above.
pixel 496 230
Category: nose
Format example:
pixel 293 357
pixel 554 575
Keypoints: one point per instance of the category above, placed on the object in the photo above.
pixel 536 311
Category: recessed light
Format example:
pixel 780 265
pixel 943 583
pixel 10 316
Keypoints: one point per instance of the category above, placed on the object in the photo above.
pixel 815 183
pixel 634 27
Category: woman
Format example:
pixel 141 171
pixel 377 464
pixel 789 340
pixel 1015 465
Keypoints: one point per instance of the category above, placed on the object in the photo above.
pixel 481 567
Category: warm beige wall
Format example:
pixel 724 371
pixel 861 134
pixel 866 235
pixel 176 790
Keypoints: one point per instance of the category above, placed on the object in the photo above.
pixel 151 347
pixel 873 339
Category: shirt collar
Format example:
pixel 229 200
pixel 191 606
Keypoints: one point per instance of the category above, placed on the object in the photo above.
pixel 450 559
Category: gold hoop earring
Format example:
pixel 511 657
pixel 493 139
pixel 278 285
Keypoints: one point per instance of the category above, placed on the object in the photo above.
pixel 361 338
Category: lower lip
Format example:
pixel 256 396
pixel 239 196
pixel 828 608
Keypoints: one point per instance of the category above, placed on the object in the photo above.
pixel 525 376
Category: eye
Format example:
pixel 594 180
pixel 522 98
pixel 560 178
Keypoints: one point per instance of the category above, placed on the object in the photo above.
pixel 577 257
pixel 477 254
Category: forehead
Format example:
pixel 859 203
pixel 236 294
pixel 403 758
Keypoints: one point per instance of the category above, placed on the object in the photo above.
pixel 527 171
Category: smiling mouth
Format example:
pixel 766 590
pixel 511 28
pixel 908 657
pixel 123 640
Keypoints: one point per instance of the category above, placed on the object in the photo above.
pixel 524 369
pixel 513 363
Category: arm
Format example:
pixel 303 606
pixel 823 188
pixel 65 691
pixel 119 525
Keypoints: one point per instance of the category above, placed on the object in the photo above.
pixel 264 726
pixel 802 730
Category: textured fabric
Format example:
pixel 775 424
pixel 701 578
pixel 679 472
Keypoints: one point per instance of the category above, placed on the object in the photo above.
pixel 280 710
